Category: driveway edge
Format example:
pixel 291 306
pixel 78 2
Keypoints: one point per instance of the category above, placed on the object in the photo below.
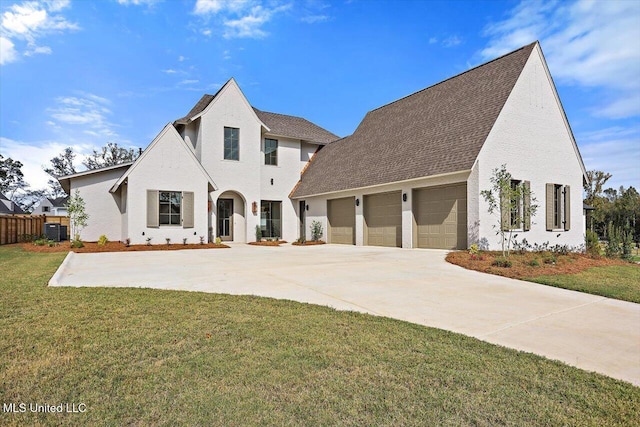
pixel 55 279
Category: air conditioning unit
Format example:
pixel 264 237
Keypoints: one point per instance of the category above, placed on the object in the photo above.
pixel 52 231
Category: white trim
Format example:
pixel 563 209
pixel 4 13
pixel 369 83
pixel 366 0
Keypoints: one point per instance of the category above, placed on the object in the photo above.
pixel 466 171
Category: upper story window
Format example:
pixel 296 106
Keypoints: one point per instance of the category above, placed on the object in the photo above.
pixel 45 209
pixel 270 151
pixel 231 143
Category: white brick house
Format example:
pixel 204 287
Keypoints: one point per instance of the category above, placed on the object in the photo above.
pixel 409 176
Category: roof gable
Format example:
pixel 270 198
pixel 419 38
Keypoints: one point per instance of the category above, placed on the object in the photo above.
pixel 170 130
pixel 435 131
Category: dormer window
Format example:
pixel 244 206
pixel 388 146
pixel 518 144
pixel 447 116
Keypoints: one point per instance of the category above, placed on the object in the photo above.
pixel 231 143
pixel 271 152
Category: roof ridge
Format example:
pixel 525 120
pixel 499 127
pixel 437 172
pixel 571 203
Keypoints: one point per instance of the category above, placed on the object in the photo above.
pixel 282 114
pixel 453 77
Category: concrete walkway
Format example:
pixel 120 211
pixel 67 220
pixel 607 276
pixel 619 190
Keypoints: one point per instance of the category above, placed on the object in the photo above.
pixel 590 332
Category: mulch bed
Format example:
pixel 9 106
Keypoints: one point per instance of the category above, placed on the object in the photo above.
pixel 268 243
pixel 564 264
pixel 93 247
pixel 308 243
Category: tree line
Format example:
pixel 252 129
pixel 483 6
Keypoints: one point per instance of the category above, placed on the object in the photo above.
pixel 15 188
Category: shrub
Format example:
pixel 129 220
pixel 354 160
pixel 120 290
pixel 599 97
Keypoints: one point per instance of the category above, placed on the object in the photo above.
pixel 549 259
pixel 218 241
pixel 627 244
pixel 613 244
pixel 258 233
pixel 77 243
pixel 202 240
pixel 149 241
pixel 168 241
pixel 501 262
pixel 184 241
pixel 102 240
pixel 127 242
pixel 316 231
pixel 592 243
pixel 52 243
pixel 40 242
pixel 534 263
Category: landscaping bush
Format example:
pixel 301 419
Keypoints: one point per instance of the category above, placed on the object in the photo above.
pixel 613 241
pixel 77 243
pixel 102 240
pixel 218 241
pixel 316 231
pixel 258 233
pixel 549 259
pixel 534 263
pixel 592 243
pixel 501 262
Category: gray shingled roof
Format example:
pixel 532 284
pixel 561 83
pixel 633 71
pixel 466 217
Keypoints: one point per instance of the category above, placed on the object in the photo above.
pixel 437 130
pixel 60 202
pixel 5 210
pixel 280 124
pixel 295 127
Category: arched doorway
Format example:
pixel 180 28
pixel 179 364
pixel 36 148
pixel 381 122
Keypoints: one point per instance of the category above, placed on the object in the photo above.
pixel 230 214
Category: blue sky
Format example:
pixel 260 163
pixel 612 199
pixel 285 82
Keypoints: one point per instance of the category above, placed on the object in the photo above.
pixel 84 73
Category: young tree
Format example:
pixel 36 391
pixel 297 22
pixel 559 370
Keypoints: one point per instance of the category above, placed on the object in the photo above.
pixel 77 216
pixel 11 177
pixel 514 203
pixel 109 155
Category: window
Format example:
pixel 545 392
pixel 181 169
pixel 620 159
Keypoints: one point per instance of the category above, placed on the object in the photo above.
pixel 271 218
pixel 46 209
pixel 515 212
pixel 231 143
pixel 270 151
pixel 558 209
pixel 169 207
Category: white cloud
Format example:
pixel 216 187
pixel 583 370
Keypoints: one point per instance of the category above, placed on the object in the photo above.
pixel 86 113
pixel 238 18
pixel 208 7
pixel 181 58
pixel 433 40
pixel 312 19
pixel 170 71
pixel 587 43
pixel 451 41
pixel 7 51
pixel 188 82
pixel 138 2
pixel 36 154
pixel 614 150
pixel 29 21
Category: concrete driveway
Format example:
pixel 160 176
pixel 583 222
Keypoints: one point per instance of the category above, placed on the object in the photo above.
pixel 590 332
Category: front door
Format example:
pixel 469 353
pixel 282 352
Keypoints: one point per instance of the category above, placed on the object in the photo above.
pixel 225 219
pixel 303 220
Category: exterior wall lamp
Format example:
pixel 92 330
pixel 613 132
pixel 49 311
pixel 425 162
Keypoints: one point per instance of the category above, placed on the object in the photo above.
pixel 254 208
pixel 404 197
pixel 357 202
pixel 307 207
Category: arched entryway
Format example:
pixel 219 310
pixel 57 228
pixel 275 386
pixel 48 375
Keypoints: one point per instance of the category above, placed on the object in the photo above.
pixel 230 217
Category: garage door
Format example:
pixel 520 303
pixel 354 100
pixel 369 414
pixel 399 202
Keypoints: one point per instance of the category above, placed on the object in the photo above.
pixel 441 217
pixel 342 220
pixel 383 218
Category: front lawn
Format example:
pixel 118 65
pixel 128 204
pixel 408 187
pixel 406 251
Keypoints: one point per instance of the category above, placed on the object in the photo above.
pixel 152 357
pixel 617 281
pixel 599 276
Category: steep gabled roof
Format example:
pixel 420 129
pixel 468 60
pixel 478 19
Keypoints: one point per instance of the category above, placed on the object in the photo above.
pixel 295 127
pixel 276 124
pixel 60 202
pixel 435 131
pixel 4 209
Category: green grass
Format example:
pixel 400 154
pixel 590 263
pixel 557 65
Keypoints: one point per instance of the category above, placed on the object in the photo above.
pixel 619 281
pixel 151 357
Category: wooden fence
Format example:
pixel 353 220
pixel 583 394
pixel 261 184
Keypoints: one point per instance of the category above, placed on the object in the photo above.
pixel 17 228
